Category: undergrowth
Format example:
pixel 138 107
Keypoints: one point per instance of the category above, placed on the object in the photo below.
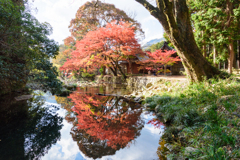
pixel 202 121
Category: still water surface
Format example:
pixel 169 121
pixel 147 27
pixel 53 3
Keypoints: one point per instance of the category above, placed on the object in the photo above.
pixel 82 126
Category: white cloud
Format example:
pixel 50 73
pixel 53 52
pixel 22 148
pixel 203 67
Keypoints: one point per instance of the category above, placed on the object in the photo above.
pixel 65 147
pixel 143 148
pixel 60 12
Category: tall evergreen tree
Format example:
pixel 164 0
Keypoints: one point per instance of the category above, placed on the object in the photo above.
pixel 216 25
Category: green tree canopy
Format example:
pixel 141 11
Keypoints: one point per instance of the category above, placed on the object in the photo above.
pixel 25 49
pixel 216 25
pixel 156 46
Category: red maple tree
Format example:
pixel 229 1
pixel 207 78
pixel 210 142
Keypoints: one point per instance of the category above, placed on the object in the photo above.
pixel 159 59
pixel 104 47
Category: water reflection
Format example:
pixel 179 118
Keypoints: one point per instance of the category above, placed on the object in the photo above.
pixel 28 128
pixel 100 127
pixel 162 150
pixel 101 124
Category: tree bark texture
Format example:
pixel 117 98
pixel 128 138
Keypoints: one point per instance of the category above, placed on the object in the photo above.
pixel 238 51
pixel 204 48
pixel 231 56
pixel 122 73
pixel 113 71
pixel 175 19
pixel 165 69
pixel 229 11
pixel 104 70
pixel 215 54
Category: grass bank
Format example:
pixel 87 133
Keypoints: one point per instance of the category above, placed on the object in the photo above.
pixel 202 120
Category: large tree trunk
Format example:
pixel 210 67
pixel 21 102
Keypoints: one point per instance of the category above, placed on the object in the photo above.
pixel 120 69
pixel 209 49
pixel 113 71
pixel 104 70
pixel 229 11
pixel 238 50
pixel 116 67
pixel 178 27
pixel 231 55
pixel 215 54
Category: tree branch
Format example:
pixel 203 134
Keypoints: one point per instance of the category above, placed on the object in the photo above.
pixel 168 11
pixel 157 12
pixel 153 10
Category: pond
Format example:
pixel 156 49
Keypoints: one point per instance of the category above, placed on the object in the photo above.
pixel 82 126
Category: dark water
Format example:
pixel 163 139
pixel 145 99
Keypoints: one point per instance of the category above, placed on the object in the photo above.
pixel 82 126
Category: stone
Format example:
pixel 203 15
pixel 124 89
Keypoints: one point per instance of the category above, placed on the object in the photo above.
pixel 150 88
pixel 133 94
pixel 118 79
pixel 149 85
pixel 137 99
pixel 146 105
pixel 151 94
pixel 144 93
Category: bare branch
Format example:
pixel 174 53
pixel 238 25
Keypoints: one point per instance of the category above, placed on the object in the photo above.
pixel 157 12
pixel 153 10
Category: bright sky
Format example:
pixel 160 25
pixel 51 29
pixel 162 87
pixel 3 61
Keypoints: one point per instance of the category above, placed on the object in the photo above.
pixel 59 13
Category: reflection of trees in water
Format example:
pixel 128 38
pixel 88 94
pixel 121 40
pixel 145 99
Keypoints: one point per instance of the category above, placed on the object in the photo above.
pixel 162 150
pixel 27 128
pixel 102 124
pixel 91 146
pixel 166 139
pixel 156 123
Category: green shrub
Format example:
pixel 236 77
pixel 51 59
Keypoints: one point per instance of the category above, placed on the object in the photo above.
pixel 200 116
pixel 87 75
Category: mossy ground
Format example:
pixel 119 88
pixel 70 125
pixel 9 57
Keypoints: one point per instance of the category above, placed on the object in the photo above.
pixel 202 120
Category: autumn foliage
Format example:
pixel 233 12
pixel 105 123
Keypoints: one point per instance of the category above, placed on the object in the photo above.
pixel 159 59
pixel 96 14
pixel 104 47
pixel 156 123
pixel 106 118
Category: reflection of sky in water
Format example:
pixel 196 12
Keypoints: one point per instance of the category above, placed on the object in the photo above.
pixel 143 147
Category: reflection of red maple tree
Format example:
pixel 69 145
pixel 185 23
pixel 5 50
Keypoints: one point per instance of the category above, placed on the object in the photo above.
pixel 106 118
pixel 156 123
